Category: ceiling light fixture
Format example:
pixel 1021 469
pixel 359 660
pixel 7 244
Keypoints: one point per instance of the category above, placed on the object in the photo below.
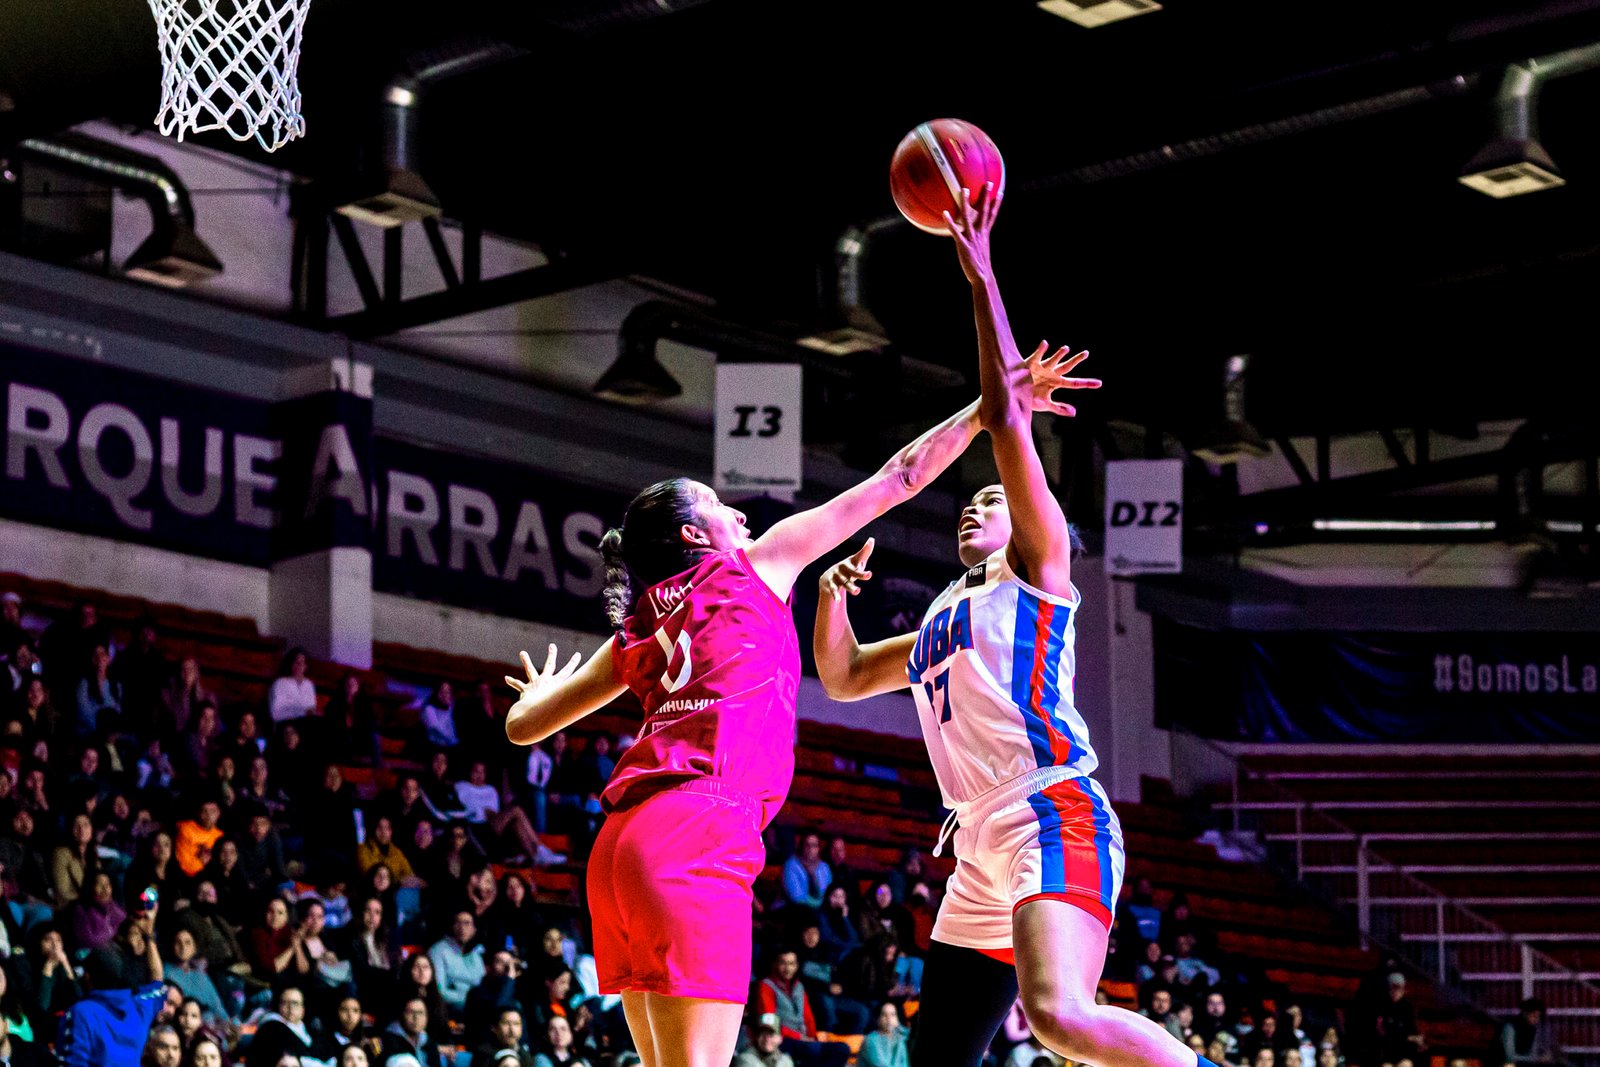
pixel 1093 13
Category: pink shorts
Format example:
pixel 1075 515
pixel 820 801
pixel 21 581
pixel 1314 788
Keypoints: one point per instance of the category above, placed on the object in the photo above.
pixel 671 884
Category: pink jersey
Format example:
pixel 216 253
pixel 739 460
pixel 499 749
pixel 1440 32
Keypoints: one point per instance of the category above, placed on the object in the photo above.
pixel 712 655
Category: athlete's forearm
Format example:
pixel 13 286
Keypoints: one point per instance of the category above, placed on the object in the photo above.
pixel 920 462
pixel 834 645
pixel 1002 376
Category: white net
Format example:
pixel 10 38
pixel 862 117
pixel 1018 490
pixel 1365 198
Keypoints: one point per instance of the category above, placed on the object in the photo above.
pixel 230 65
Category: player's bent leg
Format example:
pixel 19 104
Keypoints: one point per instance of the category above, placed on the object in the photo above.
pixel 690 1032
pixel 965 997
pixel 636 1009
pixel 1060 949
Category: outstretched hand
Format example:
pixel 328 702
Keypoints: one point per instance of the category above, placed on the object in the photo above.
pixel 970 225
pixel 1054 372
pixel 537 680
pixel 843 577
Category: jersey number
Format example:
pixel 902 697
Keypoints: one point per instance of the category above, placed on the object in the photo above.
pixel 935 689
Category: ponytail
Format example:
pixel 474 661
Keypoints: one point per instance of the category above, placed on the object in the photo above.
pixel 618 592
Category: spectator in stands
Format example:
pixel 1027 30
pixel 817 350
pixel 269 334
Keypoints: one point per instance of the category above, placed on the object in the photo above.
pixel 1525 1039
pixel 75 863
pixel 68 643
pixel 1139 913
pixel 189 1021
pixel 98 697
pixel 805 876
pixel 909 873
pixel 766 1044
pixel 558 1046
pixel 213 935
pixel 838 928
pixel 1180 1022
pixel 97 916
pixel 328 827
pixel 458 962
pixel 438 717
pixel 1396 1024
pixel 482 804
pixel 379 847
pixel 372 951
pixel 783 994
pixel 884 912
pixel 197 837
pixel 597 762
pixel 207 1051
pixel 836 1012
pixel 417 980
pixel 16 1051
pixel 1179 920
pixel 246 742
pixel 180 699
pixel 143 672
pixel 516 919
pixel 503 1034
pixel 350 726
pixel 163 1049
pixel 405 807
pixel 260 792
pixel 886 1045
pixel 261 854
pixel 1157 1006
pixel 277 947
pixel 292 696
pixel 569 786
pixel 439 787
pixel 348 1028
pixel 187 969
pixel 1194 974
pixel 481 729
pixel 1216 1023
pixel 538 779
pixel 845 873
pixel 458 856
pixel 1327 1056
pixel 202 741
pixel 11 628
pixel 234 895
pixel 108 1027
pixel 35 714
pixel 491 998
pixel 282 1031
pixel 408 1036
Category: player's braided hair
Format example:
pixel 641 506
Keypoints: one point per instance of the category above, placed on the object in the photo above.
pixel 647 547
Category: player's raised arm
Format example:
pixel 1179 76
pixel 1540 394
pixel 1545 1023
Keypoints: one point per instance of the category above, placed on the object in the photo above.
pixel 552 700
pixel 780 554
pixel 1040 547
pixel 849 670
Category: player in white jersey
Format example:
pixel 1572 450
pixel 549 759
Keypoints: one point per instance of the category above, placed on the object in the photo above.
pixel 1038 849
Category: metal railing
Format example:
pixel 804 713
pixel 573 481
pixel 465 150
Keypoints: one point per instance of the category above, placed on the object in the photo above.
pixel 1469 958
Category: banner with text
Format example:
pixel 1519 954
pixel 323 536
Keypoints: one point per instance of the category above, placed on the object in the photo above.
pixel 1440 687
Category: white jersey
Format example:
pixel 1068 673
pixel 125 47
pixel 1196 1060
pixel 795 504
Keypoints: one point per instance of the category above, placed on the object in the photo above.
pixel 992 675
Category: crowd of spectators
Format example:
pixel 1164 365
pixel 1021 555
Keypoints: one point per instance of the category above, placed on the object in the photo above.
pixel 185 883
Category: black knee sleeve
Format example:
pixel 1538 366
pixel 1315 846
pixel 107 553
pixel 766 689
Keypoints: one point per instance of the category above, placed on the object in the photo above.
pixel 965 997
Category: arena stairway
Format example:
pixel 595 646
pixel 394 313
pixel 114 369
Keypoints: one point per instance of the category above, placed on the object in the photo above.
pixel 1481 866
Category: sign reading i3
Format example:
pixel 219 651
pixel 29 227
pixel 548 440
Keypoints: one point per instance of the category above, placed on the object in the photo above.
pixel 757 429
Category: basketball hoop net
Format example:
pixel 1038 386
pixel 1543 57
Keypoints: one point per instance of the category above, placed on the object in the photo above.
pixel 230 65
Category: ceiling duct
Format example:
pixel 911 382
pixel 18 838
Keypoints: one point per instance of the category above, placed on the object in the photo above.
pixel 173 255
pixel 637 376
pixel 846 326
pixel 400 194
pixel 1233 439
pixel 1514 162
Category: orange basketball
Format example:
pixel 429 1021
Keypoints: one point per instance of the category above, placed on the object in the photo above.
pixel 934 163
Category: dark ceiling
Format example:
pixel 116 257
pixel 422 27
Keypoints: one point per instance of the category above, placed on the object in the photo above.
pixel 723 148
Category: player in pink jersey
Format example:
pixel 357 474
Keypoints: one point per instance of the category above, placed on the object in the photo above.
pixel 1038 849
pixel 707 643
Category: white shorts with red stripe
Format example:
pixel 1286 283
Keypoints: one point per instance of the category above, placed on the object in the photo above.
pixel 1049 833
